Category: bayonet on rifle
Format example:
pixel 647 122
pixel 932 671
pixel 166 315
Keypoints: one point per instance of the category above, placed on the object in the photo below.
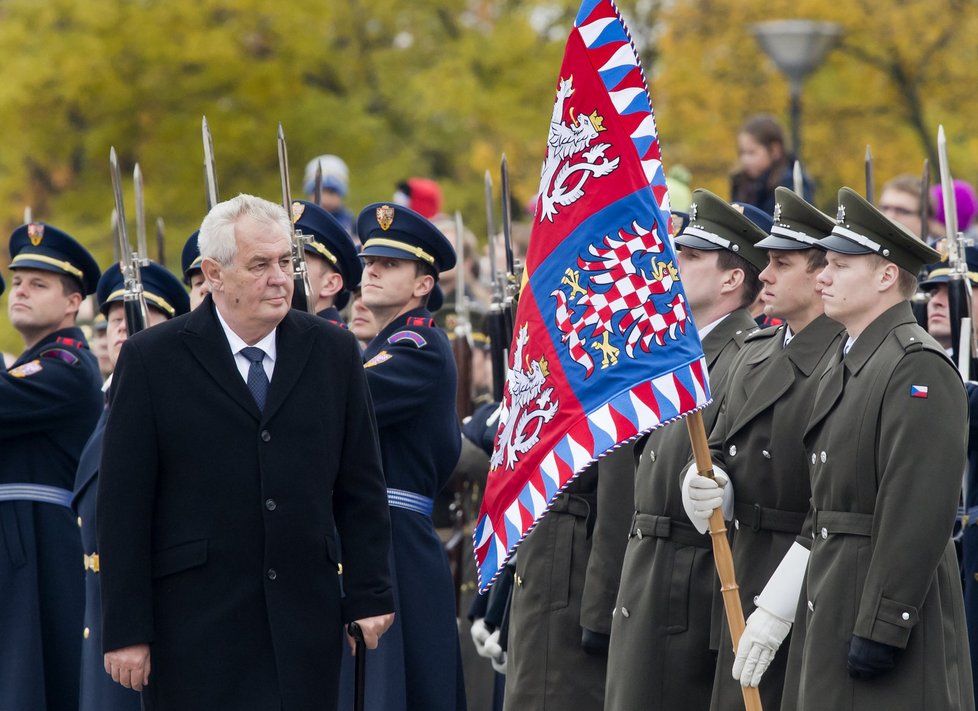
pixel 302 296
pixel 133 301
pixel 210 171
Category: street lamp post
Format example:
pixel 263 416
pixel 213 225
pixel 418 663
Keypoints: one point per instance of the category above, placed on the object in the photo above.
pixel 797 48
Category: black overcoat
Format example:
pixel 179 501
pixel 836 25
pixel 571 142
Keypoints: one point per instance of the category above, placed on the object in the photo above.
pixel 217 522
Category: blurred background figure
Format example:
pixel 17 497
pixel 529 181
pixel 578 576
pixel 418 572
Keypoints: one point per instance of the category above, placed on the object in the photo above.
pixel 362 321
pixel 335 185
pixel 678 180
pixel 900 201
pixel 764 163
pixel 100 345
pixel 421 195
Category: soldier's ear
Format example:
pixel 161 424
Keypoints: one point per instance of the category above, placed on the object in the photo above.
pixel 732 280
pixel 423 285
pixel 212 273
pixel 888 276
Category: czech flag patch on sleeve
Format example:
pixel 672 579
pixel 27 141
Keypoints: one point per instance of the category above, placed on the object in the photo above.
pixel 918 391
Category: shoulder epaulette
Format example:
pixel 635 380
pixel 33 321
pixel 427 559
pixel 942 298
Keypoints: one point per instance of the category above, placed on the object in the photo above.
pixel 71 342
pixel 763 333
pixel 421 321
pixel 912 339
pixel 416 338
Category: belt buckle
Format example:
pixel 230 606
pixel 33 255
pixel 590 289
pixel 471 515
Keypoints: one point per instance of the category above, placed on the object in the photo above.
pixel 756 524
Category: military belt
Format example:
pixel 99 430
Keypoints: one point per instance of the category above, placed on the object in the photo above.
pixel 35 492
pixel 685 534
pixel 579 505
pixel 408 500
pixel 762 518
pixel 847 522
pixel 91 562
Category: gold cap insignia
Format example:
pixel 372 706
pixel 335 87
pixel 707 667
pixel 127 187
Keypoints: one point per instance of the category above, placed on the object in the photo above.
pixel 297 209
pixel 385 217
pixel 35 231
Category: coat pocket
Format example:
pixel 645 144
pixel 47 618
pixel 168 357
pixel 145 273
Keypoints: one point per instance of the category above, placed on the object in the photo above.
pixel 180 557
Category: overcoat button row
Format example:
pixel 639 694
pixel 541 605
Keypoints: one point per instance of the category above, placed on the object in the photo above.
pixel 811 606
pixel 813 457
pixel 271 574
pixel 733 450
pixel 766 454
pixel 823 457
pixel 270 504
pixel 638 533
pixel 651 456
pixel 266 436
pixel 825 533
pixel 625 612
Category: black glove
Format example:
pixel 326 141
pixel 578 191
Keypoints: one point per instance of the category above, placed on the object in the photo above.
pixel 869 659
pixel 594 643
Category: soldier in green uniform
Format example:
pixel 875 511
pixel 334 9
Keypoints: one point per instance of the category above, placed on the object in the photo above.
pixel 880 620
pixel 660 655
pixel 757 438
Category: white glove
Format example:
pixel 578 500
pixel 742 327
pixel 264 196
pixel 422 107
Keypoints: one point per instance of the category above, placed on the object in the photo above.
pixel 701 495
pixel 499 663
pixel 480 633
pixel 770 623
pixel 762 637
pixel 491 648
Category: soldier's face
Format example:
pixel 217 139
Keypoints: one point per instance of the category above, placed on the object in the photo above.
pixel 254 292
pixel 390 283
pixel 790 290
pixel 701 278
pixel 198 289
pixel 116 332
pixel 850 287
pixel 38 303
pixel 939 313
pixel 362 322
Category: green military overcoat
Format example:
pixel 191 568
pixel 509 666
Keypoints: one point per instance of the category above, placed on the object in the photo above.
pixel 660 655
pixel 886 448
pixel 758 441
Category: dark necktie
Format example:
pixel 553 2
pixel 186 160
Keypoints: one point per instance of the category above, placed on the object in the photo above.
pixel 257 379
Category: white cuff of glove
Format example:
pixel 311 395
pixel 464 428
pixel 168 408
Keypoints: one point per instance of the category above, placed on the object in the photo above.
pixel 499 663
pixel 780 595
pixel 480 633
pixel 701 495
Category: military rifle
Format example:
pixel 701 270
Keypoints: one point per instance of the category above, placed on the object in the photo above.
pixel 317 192
pixel 959 285
pixel 133 301
pixel 868 162
pixel 462 345
pixel 500 336
pixel 798 180
pixel 160 242
pixel 302 296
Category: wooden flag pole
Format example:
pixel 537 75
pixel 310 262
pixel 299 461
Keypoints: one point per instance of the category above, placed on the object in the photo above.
pixel 721 551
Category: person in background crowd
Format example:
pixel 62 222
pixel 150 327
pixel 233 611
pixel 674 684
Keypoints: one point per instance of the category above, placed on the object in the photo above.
pixel 764 164
pixel 335 185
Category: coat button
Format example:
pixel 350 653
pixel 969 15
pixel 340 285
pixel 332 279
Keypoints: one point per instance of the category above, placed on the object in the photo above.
pixel 766 454
pixel 822 457
pixel 266 436
pixel 825 533
pixel 651 456
pixel 976 577
pixel 736 524
pixel 813 457
pixel 625 612
pixel 79 522
pixel 733 450
pixel 271 574
pixel 519 581
pixel 638 533
pixel 86 633
pixel 270 504
pixel 811 606
pixel 905 616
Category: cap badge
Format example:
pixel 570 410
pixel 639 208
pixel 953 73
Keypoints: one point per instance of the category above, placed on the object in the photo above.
pixel 35 231
pixel 692 212
pixel 385 217
pixel 297 209
pixel 777 212
pixel 840 215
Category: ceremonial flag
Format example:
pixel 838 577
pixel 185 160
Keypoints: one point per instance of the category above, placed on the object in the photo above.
pixel 604 347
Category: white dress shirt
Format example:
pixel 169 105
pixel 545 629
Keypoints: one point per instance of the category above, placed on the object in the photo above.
pixel 267 344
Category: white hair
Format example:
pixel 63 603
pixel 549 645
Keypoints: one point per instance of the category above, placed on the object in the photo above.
pixel 216 239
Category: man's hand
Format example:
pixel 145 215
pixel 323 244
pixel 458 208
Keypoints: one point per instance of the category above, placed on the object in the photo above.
pixel 869 659
pixel 762 637
pixel 129 666
pixel 372 628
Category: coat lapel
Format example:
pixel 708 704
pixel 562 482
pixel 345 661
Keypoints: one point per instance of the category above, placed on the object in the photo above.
pixel 206 340
pixel 766 385
pixel 293 344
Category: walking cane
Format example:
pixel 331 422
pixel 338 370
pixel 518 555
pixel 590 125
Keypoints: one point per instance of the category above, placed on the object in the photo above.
pixel 360 670
pixel 721 552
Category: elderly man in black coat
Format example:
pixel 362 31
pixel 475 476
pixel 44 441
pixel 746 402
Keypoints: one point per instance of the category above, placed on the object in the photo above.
pixel 241 439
